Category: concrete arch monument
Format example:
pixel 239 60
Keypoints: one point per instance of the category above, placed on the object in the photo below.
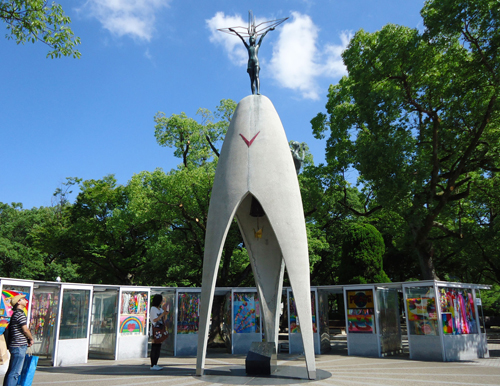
pixel 256 173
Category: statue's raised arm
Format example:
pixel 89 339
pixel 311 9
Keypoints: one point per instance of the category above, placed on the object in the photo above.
pixel 241 37
pixel 252 32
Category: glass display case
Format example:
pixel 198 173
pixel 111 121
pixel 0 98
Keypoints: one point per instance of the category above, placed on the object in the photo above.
pixel 44 309
pixel 421 311
pixel 246 323
pixel 11 288
pixel 295 345
pixel 73 326
pixel 361 329
pixel 360 311
pixel 389 321
pixel 458 313
pixel 133 325
pixel 187 321
pixel 74 316
pixel 133 312
pixel 324 322
pixel 443 322
pixel 103 323
pixel 168 302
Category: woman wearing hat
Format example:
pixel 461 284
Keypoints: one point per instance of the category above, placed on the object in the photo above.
pixel 20 339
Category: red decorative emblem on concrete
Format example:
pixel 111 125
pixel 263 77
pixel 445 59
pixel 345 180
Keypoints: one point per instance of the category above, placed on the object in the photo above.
pixel 249 143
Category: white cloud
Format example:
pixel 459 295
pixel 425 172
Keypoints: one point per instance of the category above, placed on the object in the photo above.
pixel 127 17
pixel 297 63
pixel 232 44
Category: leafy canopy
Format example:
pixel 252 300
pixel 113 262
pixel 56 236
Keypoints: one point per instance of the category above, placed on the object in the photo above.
pixel 419 115
pixel 34 20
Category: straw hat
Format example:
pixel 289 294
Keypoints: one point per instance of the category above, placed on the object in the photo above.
pixel 16 299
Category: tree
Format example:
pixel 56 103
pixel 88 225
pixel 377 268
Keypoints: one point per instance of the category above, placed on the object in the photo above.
pixel 362 253
pixel 34 20
pixel 418 116
pixel 20 255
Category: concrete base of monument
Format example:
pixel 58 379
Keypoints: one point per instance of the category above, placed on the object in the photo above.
pixel 261 358
pixel 283 375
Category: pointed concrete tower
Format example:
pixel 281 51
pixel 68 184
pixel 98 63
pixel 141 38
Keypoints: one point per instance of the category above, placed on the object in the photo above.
pixel 256 164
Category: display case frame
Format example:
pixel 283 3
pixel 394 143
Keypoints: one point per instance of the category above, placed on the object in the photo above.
pixel 72 351
pixel 102 330
pixel 129 342
pixel 41 347
pixel 169 295
pixel 443 346
pixel 186 344
pixel 295 343
pixel 242 340
pixel 362 330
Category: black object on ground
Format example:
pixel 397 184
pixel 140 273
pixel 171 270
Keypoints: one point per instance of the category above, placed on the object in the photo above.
pixel 261 359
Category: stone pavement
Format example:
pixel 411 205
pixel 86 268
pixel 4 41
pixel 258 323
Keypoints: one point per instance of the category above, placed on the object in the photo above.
pixel 226 369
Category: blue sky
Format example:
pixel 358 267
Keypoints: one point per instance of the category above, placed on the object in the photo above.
pixel 93 116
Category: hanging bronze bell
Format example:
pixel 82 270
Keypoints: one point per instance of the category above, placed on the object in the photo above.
pixel 256 209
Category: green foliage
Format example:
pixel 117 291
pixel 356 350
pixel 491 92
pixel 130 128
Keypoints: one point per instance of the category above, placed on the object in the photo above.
pixel 20 256
pixel 362 254
pixel 418 117
pixel 33 20
pixel 194 142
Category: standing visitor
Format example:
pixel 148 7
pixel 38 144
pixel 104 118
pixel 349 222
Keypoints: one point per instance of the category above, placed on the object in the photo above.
pixel 157 317
pixel 20 339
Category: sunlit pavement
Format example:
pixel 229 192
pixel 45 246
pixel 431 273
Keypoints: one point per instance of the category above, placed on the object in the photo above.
pixel 226 369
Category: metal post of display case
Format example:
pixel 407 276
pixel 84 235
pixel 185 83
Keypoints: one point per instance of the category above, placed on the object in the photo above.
pixel 71 351
pixel 439 316
pixel 480 318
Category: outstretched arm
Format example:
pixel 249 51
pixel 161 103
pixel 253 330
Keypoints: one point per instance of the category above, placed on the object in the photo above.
pixel 265 33
pixel 243 40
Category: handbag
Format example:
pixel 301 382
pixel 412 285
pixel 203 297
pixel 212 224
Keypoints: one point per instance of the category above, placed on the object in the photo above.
pixel 4 356
pixel 29 368
pixel 159 334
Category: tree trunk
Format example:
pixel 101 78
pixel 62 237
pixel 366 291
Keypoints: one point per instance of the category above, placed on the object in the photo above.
pixel 217 319
pixel 425 253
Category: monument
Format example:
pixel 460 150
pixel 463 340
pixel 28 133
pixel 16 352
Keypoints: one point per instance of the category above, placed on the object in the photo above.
pixel 256 182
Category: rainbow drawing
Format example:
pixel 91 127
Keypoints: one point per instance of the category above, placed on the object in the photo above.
pixel 7 295
pixel 132 324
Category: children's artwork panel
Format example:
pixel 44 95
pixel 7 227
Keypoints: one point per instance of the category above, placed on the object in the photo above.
pixel 360 299
pixel 188 313
pixel 44 309
pixel 458 315
pixel 8 292
pixel 132 324
pixel 294 319
pixel 360 312
pixel 134 303
pixel 360 320
pixel 246 308
pixel 421 309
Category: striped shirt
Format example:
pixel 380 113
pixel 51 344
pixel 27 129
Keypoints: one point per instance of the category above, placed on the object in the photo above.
pixel 17 321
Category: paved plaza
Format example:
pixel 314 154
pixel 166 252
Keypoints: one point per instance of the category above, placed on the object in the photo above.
pixel 226 369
